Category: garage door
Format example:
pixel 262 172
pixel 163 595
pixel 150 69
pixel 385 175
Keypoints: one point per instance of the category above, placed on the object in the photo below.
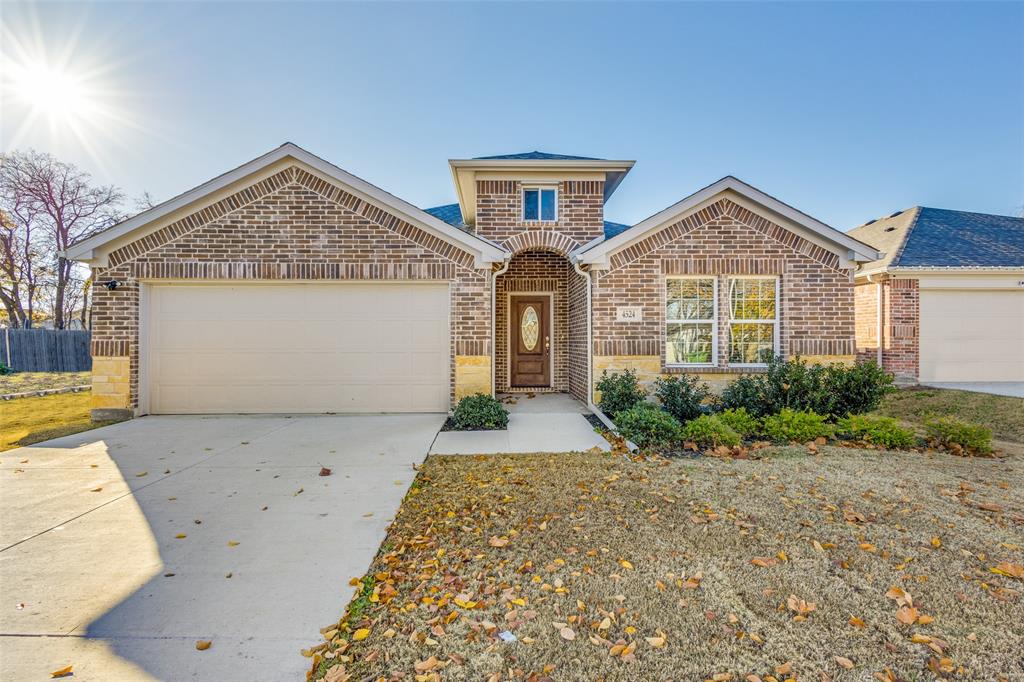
pixel 972 335
pixel 310 348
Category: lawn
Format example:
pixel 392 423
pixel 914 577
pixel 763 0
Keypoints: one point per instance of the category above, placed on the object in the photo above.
pixel 23 382
pixel 24 421
pixel 1003 414
pixel 836 566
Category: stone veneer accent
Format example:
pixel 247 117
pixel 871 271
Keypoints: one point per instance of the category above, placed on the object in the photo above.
pixel 723 239
pixel 290 226
pixel 901 310
pixel 111 387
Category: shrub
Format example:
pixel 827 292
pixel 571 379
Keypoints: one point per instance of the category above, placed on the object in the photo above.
pixel 854 390
pixel 647 425
pixel 740 421
pixel 883 431
pixel 4 369
pixel 619 392
pixel 682 396
pixel 834 391
pixel 746 394
pixel 795 425
pixel 477 412
pixel 710 430
pixel 953 431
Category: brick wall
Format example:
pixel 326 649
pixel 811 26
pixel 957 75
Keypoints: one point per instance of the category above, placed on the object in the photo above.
pixel 816 296
pixel 900 325
pixel 291 226
pixel 499 211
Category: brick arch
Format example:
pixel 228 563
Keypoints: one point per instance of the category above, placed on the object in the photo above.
pixel 541 240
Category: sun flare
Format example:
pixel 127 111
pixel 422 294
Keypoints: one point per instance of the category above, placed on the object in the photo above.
pixel 54 93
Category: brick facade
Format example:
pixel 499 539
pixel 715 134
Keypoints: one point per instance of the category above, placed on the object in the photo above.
pixel 901 310
pixel 291 226
pixel 721 241
pixel 499 211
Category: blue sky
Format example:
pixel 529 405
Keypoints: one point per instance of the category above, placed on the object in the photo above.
pixel 847 111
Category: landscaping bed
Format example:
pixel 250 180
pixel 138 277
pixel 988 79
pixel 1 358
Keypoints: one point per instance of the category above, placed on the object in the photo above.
pixel 844 564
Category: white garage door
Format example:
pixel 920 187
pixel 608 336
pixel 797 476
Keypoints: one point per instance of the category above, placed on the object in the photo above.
pixel 972 335
pixel 311 348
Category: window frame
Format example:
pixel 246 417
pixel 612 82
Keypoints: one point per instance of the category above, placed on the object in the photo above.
pixel 729 321
pixel 714 320
pixel 539 188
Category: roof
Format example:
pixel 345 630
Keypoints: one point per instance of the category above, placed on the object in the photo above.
pixel 847 247
pixel 923 237
pixel 450 213
pixel 611 229
pixel 95 249
pixel 536 156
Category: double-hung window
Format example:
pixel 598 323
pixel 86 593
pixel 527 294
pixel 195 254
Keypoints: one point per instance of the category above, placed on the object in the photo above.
pixel 540 203
pixel 691 307
pixel 753 320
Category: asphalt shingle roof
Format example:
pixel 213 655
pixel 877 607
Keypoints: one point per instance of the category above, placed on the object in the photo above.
pixel 611 229
pixel 535 156
pixel 937 237
pixel 449 213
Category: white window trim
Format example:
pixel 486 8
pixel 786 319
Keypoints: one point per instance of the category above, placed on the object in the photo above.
pixel 714 321
pixel 730 321
pixel 522 203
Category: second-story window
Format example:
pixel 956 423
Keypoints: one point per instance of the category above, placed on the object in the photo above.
pixel 540 203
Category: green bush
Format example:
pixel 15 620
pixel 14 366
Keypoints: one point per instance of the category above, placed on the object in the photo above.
pixel 740 421
pixel 479 412
pixel 682 396
pixel 854 390
pixel 883 431
pixel 648 425
pixel 709 430
pixel 619 392
pixel 953 431
pixel 834 390
pixel 795 425
pixel 4 369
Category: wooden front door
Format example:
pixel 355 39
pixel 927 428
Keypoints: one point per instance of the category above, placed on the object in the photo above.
pixel 530 342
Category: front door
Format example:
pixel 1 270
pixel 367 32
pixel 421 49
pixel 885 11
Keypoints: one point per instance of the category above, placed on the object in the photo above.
pixel 530 342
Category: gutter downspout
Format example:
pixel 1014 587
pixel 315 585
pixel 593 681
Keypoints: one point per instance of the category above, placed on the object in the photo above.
pixel 494 287
pixel 590 353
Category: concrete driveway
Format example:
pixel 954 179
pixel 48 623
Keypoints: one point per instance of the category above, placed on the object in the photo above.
pixel 1014 389
pixel 92 573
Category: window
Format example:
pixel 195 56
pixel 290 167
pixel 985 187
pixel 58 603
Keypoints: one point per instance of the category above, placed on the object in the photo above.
pixel 690 312
pixel 540 203
pixel 753 320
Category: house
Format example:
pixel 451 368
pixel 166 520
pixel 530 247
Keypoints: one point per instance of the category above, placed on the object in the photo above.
pixel 290 285
pixel 946 302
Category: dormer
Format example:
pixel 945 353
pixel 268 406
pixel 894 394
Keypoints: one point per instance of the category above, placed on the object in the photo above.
pixel 500 196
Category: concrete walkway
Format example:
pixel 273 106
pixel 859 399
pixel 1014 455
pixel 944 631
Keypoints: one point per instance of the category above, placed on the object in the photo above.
pixel 92 573
pixel 547 422
pixel 1014 389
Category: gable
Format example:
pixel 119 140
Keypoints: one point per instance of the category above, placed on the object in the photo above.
pixel 266 173
pixel 762 209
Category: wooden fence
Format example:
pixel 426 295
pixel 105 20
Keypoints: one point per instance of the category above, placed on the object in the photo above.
pixel 45 350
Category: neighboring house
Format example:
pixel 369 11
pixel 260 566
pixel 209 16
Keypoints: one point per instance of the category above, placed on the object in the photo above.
pixel 946 302
pixel 290 285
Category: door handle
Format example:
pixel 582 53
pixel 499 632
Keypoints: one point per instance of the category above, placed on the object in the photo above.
pixel 547 344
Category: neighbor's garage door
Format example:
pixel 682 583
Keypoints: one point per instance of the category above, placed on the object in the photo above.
pixel 972 335
pixel 309 348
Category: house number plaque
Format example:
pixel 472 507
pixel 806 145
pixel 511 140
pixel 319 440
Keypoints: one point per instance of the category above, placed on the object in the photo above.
pixel 629 313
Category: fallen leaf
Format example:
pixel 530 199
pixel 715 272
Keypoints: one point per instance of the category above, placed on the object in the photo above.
pixel 324 471
pixel 360 634
pixel 763 562
pixel 203 644
pixel 1009 570
pixel 142 474
pixel 180 536
pixel 96 490
pixel 567 633
pixel 857 622
pixel 656 642
pixel 844 662
pixel 496 541
pixel 63 672
pixel 625 564
pixel 233 543
pixel 907 615
pixel 936 542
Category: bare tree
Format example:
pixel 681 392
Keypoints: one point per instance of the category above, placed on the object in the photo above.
pixel 19 274
pixel 57 202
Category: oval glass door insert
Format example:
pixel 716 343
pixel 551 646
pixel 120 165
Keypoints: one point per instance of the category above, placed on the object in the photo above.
pixel 530 328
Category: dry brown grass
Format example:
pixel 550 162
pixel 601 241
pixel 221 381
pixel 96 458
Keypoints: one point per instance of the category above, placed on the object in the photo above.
pixel 24 382
pixel 1003 414
pixel 689 530
pixel 24 421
